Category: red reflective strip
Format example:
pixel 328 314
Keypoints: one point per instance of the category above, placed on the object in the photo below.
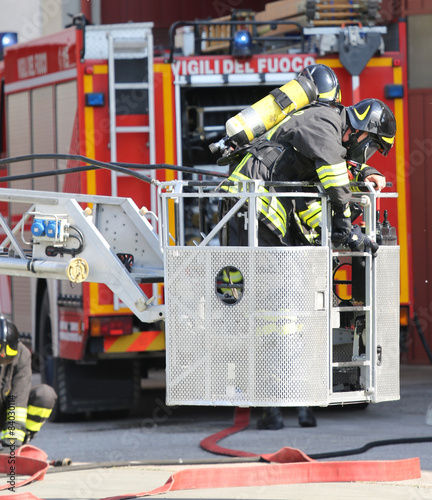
pixel 143 341
pixel 131 343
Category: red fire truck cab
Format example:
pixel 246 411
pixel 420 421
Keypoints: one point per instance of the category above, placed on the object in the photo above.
pixel 98 91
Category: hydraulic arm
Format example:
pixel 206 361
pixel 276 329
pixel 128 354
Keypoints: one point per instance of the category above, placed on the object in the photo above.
pixel 95 238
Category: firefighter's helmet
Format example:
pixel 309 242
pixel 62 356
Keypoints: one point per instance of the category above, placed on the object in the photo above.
pixel 376 118
pixel 9 338
pixel 326 82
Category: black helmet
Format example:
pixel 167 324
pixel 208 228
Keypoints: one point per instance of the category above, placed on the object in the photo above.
pixel 376 118
pixel 326 82
pixel 9 338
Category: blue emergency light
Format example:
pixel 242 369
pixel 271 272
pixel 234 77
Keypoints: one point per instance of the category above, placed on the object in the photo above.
pixel 7 39
pixel 95 99
pixel 242 44
pixel 393 91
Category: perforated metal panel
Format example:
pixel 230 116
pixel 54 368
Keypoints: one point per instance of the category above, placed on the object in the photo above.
pixel 388 329
pixel 269 348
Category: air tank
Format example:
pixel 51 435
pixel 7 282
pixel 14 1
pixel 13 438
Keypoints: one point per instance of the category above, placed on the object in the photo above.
pixel 260 117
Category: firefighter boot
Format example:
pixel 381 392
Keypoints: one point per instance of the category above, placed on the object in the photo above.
pixel 271 419
pixel 306 418
pixel 29 436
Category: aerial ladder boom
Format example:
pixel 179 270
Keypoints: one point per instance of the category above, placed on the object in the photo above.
pixel 284 336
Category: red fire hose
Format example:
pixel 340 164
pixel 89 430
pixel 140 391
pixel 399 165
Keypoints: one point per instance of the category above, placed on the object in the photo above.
pixel 287 466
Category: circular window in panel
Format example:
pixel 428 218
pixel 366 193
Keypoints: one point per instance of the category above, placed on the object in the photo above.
pixel 229 285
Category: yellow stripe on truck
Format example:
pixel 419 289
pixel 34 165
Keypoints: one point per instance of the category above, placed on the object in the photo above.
pixel 89 135
pixel 402 191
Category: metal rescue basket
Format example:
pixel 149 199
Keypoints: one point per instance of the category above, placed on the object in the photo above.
pixel 268 326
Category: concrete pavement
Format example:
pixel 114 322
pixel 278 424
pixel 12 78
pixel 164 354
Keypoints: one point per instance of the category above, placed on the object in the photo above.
pixel 337 430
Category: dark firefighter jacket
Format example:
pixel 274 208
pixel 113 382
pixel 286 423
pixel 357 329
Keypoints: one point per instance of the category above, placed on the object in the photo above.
pixel 305 146
pixel 15 385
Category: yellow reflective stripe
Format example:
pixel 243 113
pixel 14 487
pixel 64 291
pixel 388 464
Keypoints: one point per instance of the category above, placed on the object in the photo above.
pixel 273 203
pixel 329 183
pixel 234 277
pixel 333 175
pixel 277 324
pixel 356 189
pixel 21 420
pixel 33 426
pixel 336 169
pixel 10 351
pixel 17 414
pixel 236 176
pixel 312 215
pixel 38 411
pixel 15 434
pixel 325 95
pixel 390 140
pixel 310 237
pixel 272 209
pixel 362 116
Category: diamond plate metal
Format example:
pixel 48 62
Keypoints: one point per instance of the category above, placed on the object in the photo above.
pixel 269 349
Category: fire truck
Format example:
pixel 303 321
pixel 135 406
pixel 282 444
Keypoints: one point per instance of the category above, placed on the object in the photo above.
pixel 100 92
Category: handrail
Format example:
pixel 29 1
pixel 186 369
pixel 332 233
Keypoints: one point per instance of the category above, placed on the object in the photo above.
pixel 196 24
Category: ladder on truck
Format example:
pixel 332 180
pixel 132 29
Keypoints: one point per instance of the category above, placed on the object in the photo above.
pixel 122 43
pixel 129 51
pixel 136 45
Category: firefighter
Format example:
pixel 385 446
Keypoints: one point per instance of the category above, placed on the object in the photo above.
pixel 23 408
pixel 312 145
pixel 306 218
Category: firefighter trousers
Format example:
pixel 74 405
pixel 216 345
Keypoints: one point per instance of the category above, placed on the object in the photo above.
pixel 41 402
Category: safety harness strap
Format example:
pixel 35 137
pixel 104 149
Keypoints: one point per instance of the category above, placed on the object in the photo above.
pixel 281 99
pixel 267 152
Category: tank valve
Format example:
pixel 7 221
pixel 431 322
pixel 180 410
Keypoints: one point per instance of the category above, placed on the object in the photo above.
pixel 221 145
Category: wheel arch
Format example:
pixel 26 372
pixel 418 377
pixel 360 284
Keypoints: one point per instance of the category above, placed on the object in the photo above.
pixel 46 286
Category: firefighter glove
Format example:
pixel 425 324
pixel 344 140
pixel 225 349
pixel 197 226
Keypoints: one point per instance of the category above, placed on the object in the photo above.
pixel 359 242
pixel 341 228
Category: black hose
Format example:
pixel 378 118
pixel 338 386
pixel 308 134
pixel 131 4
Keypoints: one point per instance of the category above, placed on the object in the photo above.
pixel 368 446
pixel 57 156
pixel 422 337
pixel 117 166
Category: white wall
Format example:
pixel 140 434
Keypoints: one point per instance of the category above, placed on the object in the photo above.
pixel 34 18
pixel 17 15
